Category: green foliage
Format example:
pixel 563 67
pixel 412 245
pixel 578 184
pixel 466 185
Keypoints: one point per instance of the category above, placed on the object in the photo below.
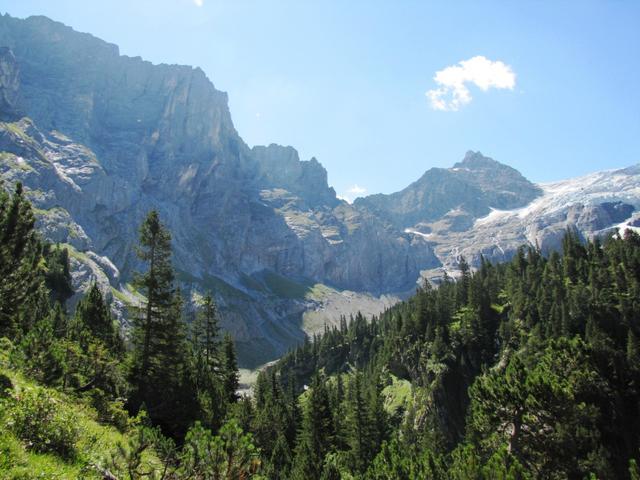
pixel 57 275
pixel 108 410
pixel 546 416
pixel 634 471
pixel 93 313
pixel 529 369
pixel 316 435
pixel 21 264
pixel 42 422
pixel 398 460
pixel 521 370
pixel 230 455
pixel 179 376
pixel 129 460
pixel 6 386
pixel 160 373
pixel 231 376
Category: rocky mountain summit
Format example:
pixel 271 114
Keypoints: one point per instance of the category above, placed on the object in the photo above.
pixel 474 185
pixel 99 139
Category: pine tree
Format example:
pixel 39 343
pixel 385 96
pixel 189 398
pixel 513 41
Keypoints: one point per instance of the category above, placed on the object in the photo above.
pixel 93 313
pixel 633 350
pixel 361 437
pixel 157 285
pixel 58 275
pixel 178 408
pixel 160 375
pixel 21 265
pixel 208 364
pixel 205 334
pixel 317 433
pixel 231 375
pixel 280 463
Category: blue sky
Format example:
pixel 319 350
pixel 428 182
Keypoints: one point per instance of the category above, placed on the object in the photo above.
pixel 346 82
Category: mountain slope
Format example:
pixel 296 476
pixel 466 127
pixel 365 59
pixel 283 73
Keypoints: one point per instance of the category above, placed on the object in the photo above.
pixel 99 139
pixel 108 138
pixel 473 185
pixel 594 205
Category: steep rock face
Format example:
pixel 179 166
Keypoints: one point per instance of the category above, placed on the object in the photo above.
pixel 8 84
pixel 280 167
pixel 472 186
pixel 139 118
pixel 164 136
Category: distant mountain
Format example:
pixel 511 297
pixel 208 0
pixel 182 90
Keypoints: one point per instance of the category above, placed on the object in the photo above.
pixel 99 139
pixel 594 205
pixel 474 186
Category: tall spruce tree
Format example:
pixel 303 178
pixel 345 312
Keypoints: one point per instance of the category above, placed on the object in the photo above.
pixel 159 375
pixel 316 435
pixel 208 368
pixel 21 266
pixel 231 375
pixel 93 313
pixel 362 434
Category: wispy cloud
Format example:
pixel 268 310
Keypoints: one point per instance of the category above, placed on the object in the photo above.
pixel 453 91
pixel 198 3
pixel 352 193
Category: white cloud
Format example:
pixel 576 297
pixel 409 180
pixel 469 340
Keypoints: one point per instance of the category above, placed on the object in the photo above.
pixel 452 91
pixel 352 193
pixel 198 3
pixel 357 190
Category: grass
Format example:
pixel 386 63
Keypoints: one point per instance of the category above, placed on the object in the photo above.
pixel 14 128
pixel 320 291
pixel 284 287
pixel 498 308
pixel 213 284
pixel 48 212
pixel 396 395
pixel 95 440
pixel 74 253
pixel 14 162
pixel 120 296
pixel 17 130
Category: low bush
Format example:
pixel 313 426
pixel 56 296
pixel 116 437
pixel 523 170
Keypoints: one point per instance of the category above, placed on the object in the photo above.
pixel 109 411
pixel 6 386
pixel 42 423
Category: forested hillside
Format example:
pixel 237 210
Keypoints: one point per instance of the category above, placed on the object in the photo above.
pixel 528 369
pixel 80 399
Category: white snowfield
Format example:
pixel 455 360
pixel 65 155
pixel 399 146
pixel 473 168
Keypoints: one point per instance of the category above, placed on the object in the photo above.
pixel 573 203
pixel 621 185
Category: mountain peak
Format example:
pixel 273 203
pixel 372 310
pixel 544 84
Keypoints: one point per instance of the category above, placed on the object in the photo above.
pixel 476 161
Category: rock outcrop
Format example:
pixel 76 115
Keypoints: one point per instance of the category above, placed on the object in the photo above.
pixel 8 84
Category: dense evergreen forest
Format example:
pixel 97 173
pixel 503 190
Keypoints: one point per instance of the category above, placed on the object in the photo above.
pixel 528 369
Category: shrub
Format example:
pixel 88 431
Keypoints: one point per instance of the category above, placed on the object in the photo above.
pixel 43 423
pixel 109 411
pixel 11 452
pixel 6 348
pixel 6 385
